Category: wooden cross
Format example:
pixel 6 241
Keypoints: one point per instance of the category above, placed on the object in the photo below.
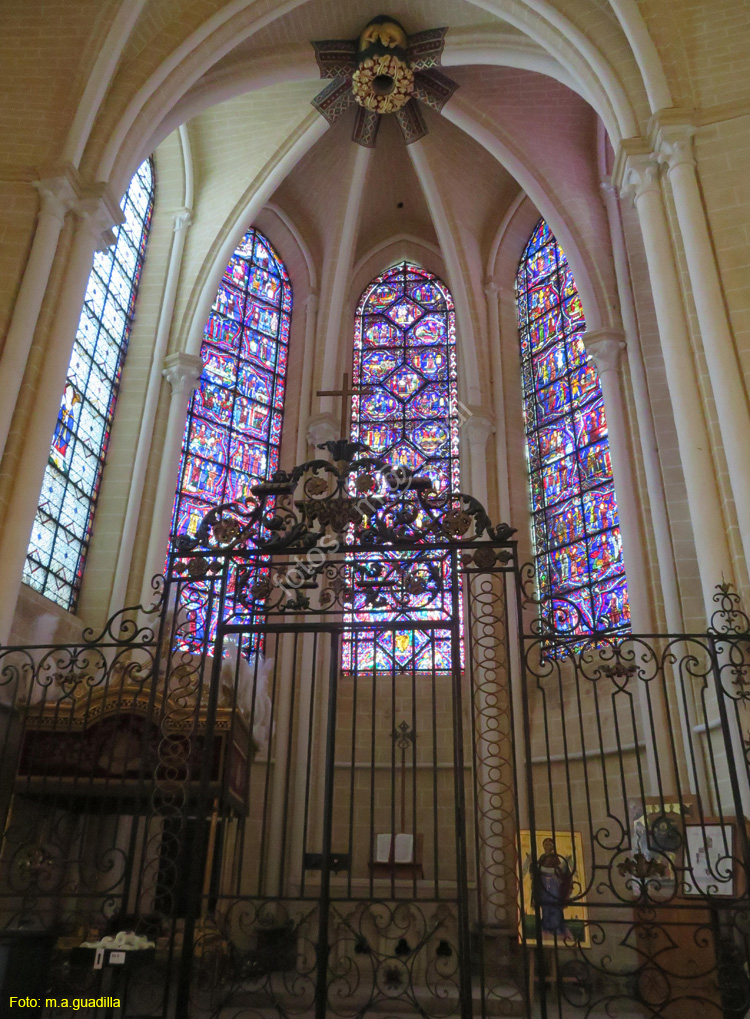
pixel 346 393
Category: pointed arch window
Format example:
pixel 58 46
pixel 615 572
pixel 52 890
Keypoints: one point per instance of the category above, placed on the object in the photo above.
pixel 62 526
pixel 233 428
pixel 579 561
pixel 405 352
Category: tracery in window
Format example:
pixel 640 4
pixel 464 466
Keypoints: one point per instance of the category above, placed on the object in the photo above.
pixel 62 526
pixel 579 560
pixel 405 351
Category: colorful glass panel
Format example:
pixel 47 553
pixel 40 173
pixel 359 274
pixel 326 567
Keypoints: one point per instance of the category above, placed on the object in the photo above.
pixel 233 428
pixel 404 351
pixel 578 548
pixel 62 526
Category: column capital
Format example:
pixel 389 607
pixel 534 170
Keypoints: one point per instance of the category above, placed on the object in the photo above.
pixel 182 219
pixel 640 176
pixel 183 372
pixel 58 190
pixel 478 428
pixel 312 300
pixel 98 212
pixel 490 286
pixel 322 428
pixel 673 145
pixel 606 347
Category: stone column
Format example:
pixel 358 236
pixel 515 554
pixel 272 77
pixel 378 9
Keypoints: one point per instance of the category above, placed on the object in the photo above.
pixel 303 761
pixel 182 371
pixel 311 323
pixel 498 396
pixel 605 347
pixel 280 817
pixel 714 562
pixel 338 271
pixel 321 428
pixel 57 196
pixel 675 148
pixel 704 503
pixel 96 214
pixel 182 221
pixel 646 430
pixel 477 430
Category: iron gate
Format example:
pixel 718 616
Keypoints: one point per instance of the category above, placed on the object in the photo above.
pixel 346 767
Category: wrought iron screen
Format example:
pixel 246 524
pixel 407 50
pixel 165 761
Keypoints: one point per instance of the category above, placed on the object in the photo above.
pixel 526 834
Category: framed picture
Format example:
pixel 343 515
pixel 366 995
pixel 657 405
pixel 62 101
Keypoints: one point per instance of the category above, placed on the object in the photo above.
pixel 657 832
pixel 709 859
pixel 557 879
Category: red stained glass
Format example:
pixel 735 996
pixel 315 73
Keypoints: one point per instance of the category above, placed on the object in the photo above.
pixel 379 333
pixel 233 429
pixel 229 302
pixel 431 363
pixel 579 555
pixel 404 313
pixel 404 383
pixel 405 349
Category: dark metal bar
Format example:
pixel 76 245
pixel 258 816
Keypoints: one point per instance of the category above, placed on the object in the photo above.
pixel 462 883
pixel 324 903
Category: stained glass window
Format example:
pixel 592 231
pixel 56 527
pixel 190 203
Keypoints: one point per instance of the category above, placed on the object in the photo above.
pixel 233 428
pixel 405 353
pixel 578 547
pixel 62 526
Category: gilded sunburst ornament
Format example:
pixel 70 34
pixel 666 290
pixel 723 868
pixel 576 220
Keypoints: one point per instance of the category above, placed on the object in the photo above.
pixel 383 71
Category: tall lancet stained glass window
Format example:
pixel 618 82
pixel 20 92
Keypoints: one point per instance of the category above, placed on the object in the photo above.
pixel 578 548
pixel 233 428
pixel 62 526
pixel 405 352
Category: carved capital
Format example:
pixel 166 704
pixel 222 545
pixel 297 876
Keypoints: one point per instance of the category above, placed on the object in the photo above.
pixel 606 347
pixel 183 372
pixel 477 429
pixel 98 212
pixel 312 300
pixel 58 192
pixel 322 428
pixel 674 145
pixel 182 219
pixel 641 176
pixel 490 287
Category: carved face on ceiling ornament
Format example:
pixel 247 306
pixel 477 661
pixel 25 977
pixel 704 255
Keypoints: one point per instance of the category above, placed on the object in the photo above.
pixel 384 71
pixel 383 81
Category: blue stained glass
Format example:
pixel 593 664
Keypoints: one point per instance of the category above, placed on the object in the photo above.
pixel 432 363
pixel 379 333
pixel 404 383
pixel 380 406
pixel 431 329
pixel 59 539
pixel 404 349
pixel 579 554
pixel 234 422
pixel 377 364
pixel 229 302
pixel 233 430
